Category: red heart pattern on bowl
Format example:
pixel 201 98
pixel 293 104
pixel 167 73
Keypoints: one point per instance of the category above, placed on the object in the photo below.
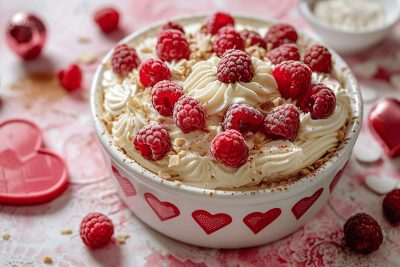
pixel 384 121
pixel 211 222
pixel 257 221
pixel 128 188
pixel 305 204
pixel 163 209
pixel 337 177
pixel 28 174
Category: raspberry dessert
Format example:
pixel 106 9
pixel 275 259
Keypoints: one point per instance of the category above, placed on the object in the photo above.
pixel 224 105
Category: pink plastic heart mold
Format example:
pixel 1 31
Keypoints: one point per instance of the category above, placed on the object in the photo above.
pixel 29 174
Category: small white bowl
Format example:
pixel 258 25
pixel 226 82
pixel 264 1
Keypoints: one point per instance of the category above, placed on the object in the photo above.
pixel 217 218
pixel 351 41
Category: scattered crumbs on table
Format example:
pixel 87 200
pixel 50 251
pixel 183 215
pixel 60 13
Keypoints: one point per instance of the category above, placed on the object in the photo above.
pixel 47 260
pixel 84 39
pixel 5 235
pixel 87 58
pixel 66 231
pixel 122 237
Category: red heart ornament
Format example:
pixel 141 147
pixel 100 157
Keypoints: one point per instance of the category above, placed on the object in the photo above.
pixel 337 178
pixel 304 204
pixel 163 209
pixel 257 221
pixel 128 188
pixel 209 222
pixel 384 121
pixel 28 173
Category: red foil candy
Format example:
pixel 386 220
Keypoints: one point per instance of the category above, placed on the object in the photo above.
pixel 26 35
pixel 384 121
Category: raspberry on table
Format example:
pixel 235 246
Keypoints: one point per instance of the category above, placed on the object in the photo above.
pixel 70 78
pixel 107 19
pixel 282 122
pixel 391 206
pixel 230 148
pixel 284 52
pixel 318 58
pixel 243 118
pixel 152 71
pixel 172 25
pixel 279 34
pixel 235 66
pixel 217 21
pixel 152 142
pixel 96 230
pixel 251 38
pixel 172 45
pixel 322 101
pixel 227 38
pixel 124 59
pixel 188 114
pixel 362 233
pixel 292 77
pixel 164 96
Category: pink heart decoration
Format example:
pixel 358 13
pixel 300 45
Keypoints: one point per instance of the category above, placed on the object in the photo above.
pixel 337 178
pixel 384 121
pixel 128 188
pixel 28 173
pixel 257 221
pixel 304 204
pixel 209 222
pixel 164 210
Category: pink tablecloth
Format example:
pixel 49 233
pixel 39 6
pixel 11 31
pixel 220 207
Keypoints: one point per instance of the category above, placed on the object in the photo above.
pixel 35 231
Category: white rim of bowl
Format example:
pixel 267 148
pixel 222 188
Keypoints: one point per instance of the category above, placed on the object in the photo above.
pixel 147 176
pixel 305 9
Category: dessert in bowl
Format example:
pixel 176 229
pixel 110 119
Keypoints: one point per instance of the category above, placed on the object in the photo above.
pixel 219 137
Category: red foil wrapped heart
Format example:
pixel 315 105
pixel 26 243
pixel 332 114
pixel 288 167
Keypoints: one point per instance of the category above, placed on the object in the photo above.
pixel 384 121
pixel 26 35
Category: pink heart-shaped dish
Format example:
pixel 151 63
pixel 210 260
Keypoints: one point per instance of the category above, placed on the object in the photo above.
pixel 29 174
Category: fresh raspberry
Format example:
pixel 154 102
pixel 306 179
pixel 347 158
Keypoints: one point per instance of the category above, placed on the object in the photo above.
pixel 230 148
pixel 152 142
pixel 172 25
pixel 282 53
pixel 188 114
pixel 251 38
pixel 391 206
pixel 292 77
pixel 243 118
pixel 318 58
pixel 124 59
pixel 217 21
pixel 96 230
pixel 164 96
pixel 282 122
pixel 322 101
pixel 151 71
pixel 235 66
pixel 227 38
pixel 107 19
pixel 362 233
pixel 279 34
pixel 71 77
pixel 172 45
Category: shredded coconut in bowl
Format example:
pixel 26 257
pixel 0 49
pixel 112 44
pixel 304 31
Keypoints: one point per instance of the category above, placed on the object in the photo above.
pixel 351 15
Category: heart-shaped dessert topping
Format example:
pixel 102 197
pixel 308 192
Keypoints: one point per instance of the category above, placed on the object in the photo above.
pixel 384 121
pixel 28 174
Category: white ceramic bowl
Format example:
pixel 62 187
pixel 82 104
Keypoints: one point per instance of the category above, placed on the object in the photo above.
pixel 224 219
pixel 349 41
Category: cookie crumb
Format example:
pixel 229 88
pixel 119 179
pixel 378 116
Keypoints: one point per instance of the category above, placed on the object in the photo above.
pixel 87 58
pixel 173 161
pixel 84 39
pixel 122 237
pixel 47 260
pixel 5 235
pixel 163 174
pixel 66 231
